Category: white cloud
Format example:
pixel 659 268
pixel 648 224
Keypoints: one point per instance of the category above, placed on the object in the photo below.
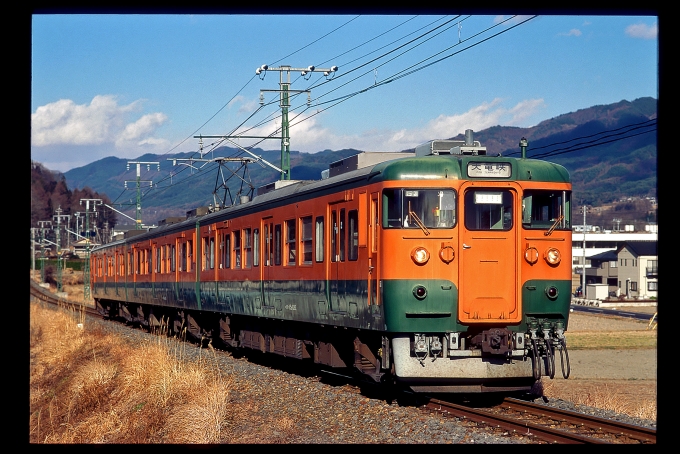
pixel 141 130
pixel 245 105
pixel 643 31
pixel 309 136
pixel 572 32
pixel 103 121
pixel 64 134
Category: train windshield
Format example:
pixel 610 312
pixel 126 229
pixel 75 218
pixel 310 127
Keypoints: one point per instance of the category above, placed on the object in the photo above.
pixel 414 208
pixel 546 210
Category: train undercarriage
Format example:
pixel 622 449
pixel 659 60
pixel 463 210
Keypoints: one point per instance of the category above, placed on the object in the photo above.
pixel 493 360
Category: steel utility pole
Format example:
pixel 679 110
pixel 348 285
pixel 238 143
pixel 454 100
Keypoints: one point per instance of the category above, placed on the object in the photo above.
pixel 583 275
pixel 284 102
pixel 42 245
pixel 138 181
pixel 58 217
pixel 86 268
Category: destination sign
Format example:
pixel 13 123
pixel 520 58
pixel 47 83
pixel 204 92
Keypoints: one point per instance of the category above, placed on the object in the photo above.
pixel 489 169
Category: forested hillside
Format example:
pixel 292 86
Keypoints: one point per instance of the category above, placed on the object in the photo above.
pixel 49 193
pixel 610 152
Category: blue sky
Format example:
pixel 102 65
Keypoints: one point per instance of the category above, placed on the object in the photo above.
pixel 125 85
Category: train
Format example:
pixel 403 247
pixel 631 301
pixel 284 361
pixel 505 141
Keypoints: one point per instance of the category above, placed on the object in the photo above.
pixel 441 270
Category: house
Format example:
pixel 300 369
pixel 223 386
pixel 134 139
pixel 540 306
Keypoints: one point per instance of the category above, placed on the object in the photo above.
pixel 604 270
pixel 638 268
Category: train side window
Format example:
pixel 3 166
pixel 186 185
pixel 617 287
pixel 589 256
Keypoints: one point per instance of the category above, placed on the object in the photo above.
pixel 319 239
pixel 306 239
pixel 157 269
pixel 237 249
pixel 342 235
pixel 211 252
pixel 173 258
pixel 227 251
pixel 149 262
pixel 353 220
pixel 256 247
pixel 247 248
pixel 334 235
pixel 277 244
pixel 291 253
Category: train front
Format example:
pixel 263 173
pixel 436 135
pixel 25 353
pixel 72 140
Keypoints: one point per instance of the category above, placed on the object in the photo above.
pixel 476 270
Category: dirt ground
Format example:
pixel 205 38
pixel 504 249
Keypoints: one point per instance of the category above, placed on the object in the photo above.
pixel 628 376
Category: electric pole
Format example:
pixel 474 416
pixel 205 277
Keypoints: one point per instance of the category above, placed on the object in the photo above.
pixel 583 274
pixel 284 102
pixel 138 181
pixel 42 246
pixel 58 217
pixel 86 268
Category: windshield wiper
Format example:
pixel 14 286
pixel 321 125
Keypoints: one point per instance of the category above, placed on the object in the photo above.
pixel 419 223
pixel 557 221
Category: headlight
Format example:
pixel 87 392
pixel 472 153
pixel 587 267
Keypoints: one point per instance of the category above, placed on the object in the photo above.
pixel 531 255
pixel 552 256
pixel 420 255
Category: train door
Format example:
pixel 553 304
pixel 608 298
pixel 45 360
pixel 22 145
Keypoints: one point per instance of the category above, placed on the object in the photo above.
pixel 338 242
pixel 488 276
pixel 267 267
pixel 373 268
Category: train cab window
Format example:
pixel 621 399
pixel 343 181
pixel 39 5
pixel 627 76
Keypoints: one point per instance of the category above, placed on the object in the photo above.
pixel 487 209
pixel 247 248
pixel 541 209
pixel 353 220
pixel 291 253
pixel 416 208
pixel 306 239
pixel 237 249
pixel 319 240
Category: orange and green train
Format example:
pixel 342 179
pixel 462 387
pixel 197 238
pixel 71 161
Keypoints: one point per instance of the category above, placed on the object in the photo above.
pixel 443 270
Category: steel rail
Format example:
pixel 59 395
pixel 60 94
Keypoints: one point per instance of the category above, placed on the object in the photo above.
pixel 611 426
pixel 518 427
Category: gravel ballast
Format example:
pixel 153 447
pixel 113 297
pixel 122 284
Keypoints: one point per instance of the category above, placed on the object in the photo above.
pixel 285 407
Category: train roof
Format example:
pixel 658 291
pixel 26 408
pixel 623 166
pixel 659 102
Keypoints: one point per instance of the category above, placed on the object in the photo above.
pixel 377 167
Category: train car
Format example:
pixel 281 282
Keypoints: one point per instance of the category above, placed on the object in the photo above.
pixel 445 270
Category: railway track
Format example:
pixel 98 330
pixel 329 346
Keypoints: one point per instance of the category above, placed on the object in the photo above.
pixel 516 417
pixel 547 424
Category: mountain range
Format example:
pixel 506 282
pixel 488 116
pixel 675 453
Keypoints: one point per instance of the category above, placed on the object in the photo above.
pixel 609 150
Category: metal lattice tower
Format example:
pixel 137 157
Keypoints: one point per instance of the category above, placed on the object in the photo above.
pixel 43 227
pixel 284 102
pixel 138 182
pixel 86 268
pixel 58 217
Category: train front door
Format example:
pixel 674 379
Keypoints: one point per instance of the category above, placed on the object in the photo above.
pixel 488 276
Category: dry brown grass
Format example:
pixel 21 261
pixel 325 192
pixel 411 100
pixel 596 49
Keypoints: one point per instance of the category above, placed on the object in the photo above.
pixel 631 399
pixel 87 386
